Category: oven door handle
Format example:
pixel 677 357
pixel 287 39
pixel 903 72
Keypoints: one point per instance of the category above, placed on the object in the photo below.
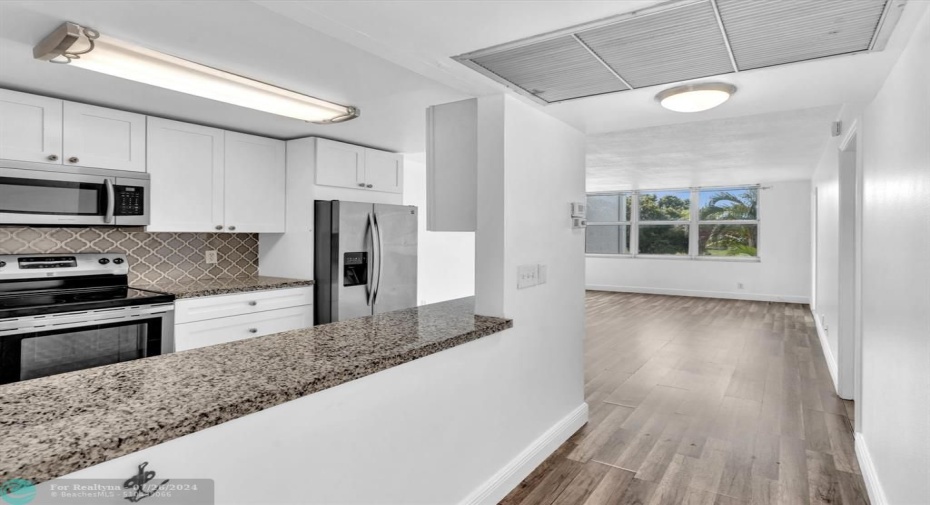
pixel 111 200
pixel 66 320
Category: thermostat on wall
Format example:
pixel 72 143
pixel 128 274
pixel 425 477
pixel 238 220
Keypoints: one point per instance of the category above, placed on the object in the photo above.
pixel 578 209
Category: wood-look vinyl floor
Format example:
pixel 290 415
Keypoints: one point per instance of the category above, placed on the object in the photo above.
pixel 702 401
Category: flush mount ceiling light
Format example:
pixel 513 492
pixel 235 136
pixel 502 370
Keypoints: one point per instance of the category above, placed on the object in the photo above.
pixel 695 97
pixel 83 47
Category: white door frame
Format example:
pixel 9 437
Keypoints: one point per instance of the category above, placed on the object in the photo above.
pixel 849 338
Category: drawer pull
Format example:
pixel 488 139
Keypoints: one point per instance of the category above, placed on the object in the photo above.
pixel 253 330
pixel 253 303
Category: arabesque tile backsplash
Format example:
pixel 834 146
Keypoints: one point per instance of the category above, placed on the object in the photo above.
pixel 152 256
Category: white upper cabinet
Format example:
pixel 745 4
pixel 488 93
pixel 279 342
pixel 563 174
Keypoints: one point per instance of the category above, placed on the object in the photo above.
pixel 254 184
pixel 339 164
pixel 186 165
pixel 210 180
pixel 30 127
pixel 452 166
pixel 103 138
pixel 350 166
pixel 384 171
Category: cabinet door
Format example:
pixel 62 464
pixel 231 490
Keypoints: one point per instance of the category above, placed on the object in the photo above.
pixel 103 138
pixel 384 171
pixel 339 164
pixel 452 166
pixel 186 165
pixel 229 329
pixel 30 127
pixel 255 171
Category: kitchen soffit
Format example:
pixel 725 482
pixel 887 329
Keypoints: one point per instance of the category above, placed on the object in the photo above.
pixel 683 40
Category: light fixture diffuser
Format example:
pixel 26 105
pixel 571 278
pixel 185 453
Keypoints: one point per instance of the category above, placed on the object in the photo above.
pixel 83 47
pixel 695 97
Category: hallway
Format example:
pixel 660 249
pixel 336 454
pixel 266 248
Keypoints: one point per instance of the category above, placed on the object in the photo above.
pixel 702 401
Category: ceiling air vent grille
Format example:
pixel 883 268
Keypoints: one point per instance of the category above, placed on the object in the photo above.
pixel 553 70
pixel 675 45
pixel 763 34
pixel 683 40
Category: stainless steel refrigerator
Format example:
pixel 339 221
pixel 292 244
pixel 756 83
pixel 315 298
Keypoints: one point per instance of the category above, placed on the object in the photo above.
pixel 365 259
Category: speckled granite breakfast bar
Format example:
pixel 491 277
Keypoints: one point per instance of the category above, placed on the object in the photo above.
pixel 56 425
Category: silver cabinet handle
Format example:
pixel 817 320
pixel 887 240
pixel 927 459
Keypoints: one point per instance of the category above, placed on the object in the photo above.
pixel 253 330
pixel 73 159
pixel 232 228
pixel 52 157
pixel 219 227
pixel 253 303
pixel 111 201
pixel 369 186
pixel 361 184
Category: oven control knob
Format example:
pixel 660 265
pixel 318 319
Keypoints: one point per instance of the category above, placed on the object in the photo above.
pixel 103 261
pixel 118 261
pixel 2 264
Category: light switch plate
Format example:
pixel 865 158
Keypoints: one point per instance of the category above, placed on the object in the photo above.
pixel 210 257
pixel 527 276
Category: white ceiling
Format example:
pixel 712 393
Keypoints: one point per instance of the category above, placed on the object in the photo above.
pixel 392 58
pixel 777 146
pixel 236 36
pixel 423 35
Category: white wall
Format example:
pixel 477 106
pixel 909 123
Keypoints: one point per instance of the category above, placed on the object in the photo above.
pixel 530 167
pixel 446 260
pixel 896 267
pixel 782 274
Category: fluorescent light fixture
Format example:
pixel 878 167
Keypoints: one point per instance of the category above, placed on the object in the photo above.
pixel 84 47
pixel 695 97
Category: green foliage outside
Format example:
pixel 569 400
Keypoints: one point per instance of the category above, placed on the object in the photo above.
pixel 729 239
pixel 663 239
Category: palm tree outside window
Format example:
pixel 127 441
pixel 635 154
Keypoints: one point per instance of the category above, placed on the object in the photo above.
pixel 689 223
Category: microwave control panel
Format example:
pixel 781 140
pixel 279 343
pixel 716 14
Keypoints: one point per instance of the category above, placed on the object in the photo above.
pixel 130 201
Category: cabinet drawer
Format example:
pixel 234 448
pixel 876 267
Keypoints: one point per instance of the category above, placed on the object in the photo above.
pixel 212 307
pixel 229 329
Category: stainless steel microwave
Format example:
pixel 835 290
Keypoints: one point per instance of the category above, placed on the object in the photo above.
pixel 41 194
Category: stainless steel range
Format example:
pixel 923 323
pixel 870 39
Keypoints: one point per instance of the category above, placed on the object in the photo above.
pixel 66 312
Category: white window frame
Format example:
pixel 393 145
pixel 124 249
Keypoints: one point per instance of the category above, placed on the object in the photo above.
pixel 628 223
pixel 693 225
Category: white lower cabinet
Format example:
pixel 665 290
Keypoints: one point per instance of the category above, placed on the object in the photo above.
pixel 211 320
pixel 229 329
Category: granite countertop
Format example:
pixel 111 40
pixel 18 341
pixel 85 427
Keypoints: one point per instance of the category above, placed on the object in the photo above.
pixel 211 287
pixel 56 425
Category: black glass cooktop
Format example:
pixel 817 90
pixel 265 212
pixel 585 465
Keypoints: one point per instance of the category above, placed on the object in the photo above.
pixel 30 303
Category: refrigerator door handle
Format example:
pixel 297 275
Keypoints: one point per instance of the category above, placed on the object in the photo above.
pixel 379 256
pixel 374 252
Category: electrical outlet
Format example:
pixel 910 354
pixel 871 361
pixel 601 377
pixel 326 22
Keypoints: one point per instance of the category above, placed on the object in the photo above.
pixel 542 274
pixel 210 257
pixel 527 276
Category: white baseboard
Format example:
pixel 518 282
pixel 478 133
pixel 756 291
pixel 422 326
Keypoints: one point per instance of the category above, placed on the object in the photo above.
pixel 507 478
pixel 827 352
pixel 869 475
pixel 729 295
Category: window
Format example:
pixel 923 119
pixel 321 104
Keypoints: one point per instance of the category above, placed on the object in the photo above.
pixel 695 223
pixel 728 224
pixel 609 222
pixel 664 222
